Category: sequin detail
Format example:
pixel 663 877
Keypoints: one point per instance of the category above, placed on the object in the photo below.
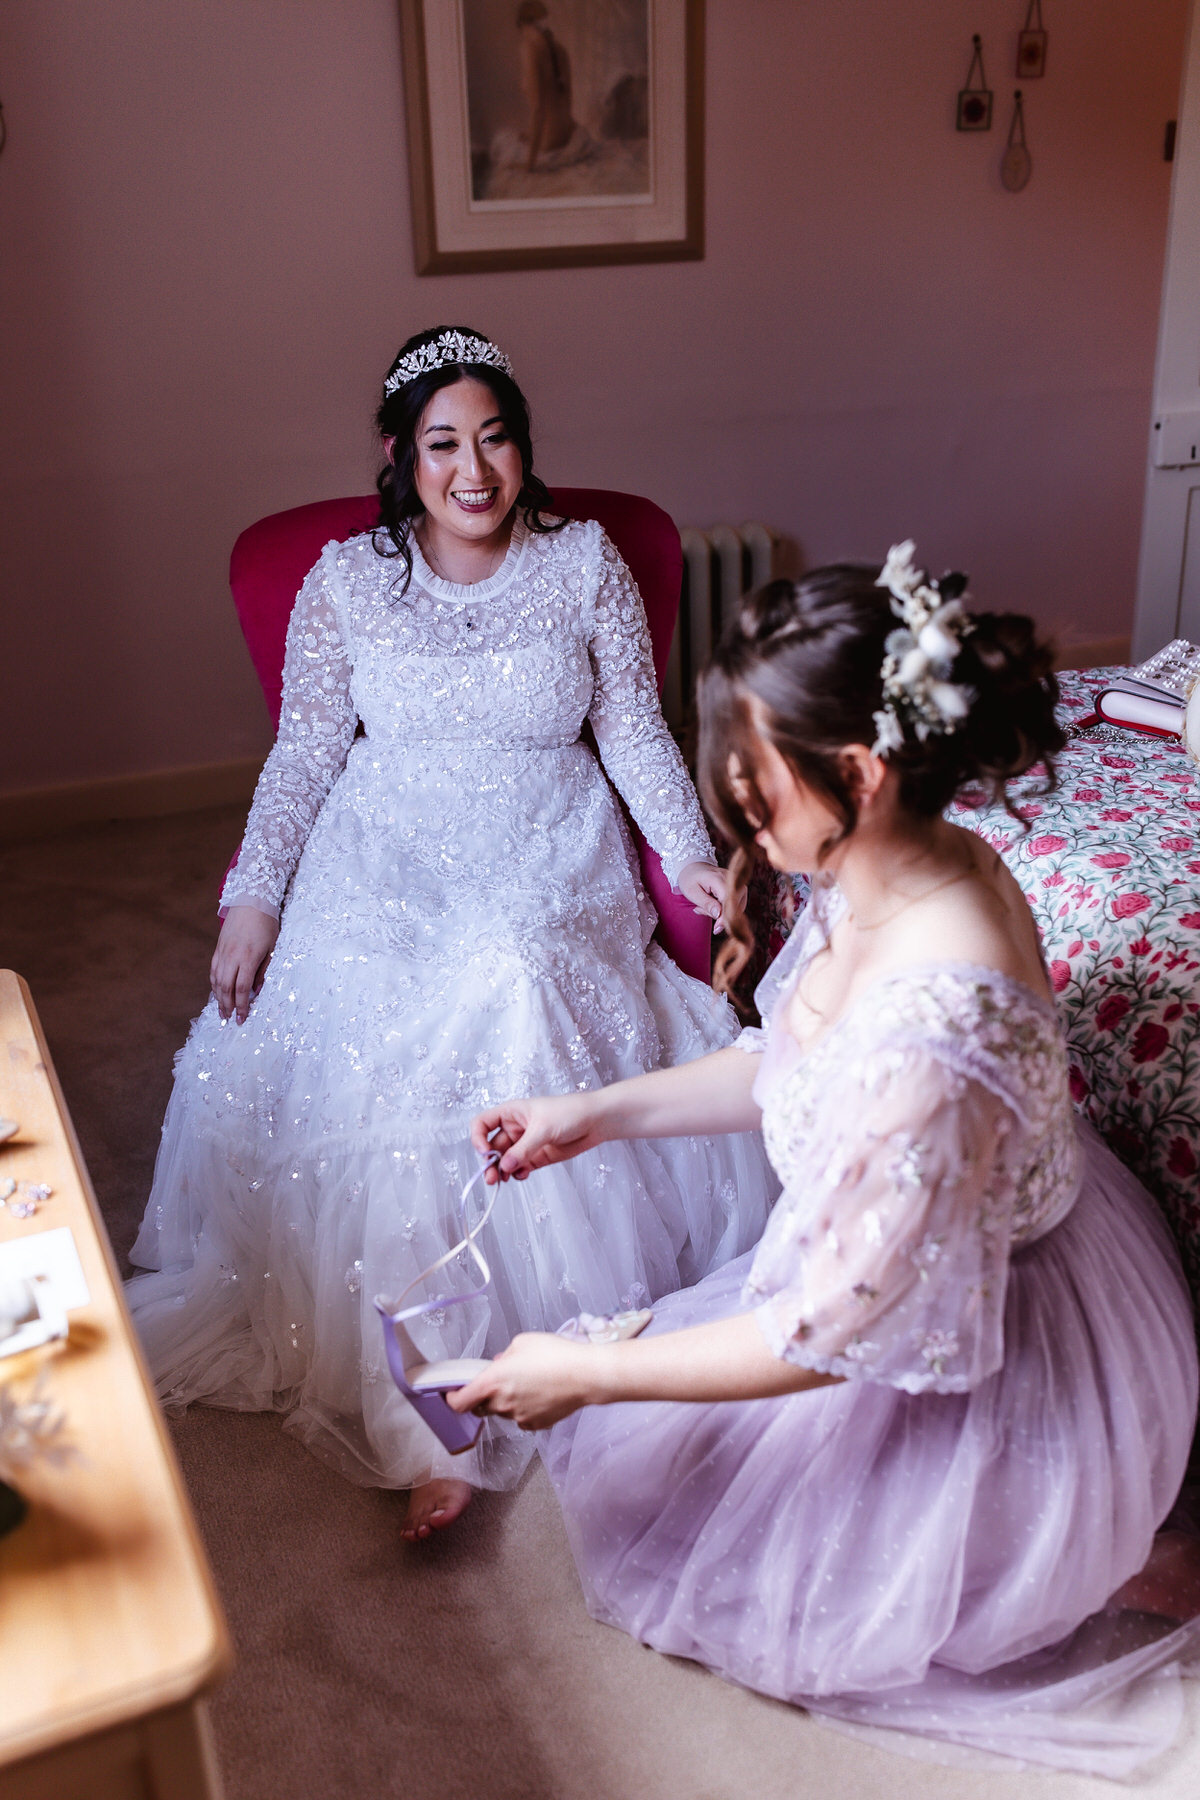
pixel 921 1140
pixel 479 687
pixel 462 922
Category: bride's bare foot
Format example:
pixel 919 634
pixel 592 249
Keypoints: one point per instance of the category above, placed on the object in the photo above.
pixel 433 1506
pixel 1169 1585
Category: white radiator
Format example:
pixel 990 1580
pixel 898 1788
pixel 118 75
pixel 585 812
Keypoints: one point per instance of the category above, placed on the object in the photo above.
pixel 719 565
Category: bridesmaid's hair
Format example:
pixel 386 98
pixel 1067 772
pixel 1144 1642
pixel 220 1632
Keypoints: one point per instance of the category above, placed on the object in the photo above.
pixel 811 653
pixel 399 416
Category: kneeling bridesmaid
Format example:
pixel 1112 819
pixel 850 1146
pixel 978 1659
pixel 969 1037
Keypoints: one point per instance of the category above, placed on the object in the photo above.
pixel 904 1463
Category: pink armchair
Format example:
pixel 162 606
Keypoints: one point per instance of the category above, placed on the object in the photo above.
pixel 271 558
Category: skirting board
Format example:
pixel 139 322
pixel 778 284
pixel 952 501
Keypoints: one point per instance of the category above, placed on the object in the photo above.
pixel 41 812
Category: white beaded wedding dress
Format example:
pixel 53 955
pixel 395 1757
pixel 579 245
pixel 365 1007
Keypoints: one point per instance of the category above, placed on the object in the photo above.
pixel 462 923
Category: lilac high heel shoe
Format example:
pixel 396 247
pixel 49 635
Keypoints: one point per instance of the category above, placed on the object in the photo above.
pixel 424 1384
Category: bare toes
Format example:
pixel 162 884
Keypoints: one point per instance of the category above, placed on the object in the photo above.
pixel 433 1506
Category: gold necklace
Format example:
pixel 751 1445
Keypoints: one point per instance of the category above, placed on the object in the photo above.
pixel 426 550
pixel 877 924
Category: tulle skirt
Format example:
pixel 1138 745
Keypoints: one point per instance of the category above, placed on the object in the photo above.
pixel 933 1564
pixel 304 1173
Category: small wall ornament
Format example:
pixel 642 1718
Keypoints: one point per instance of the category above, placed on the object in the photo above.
pixel 1031 45
pixel 975 100
pixel 1016 165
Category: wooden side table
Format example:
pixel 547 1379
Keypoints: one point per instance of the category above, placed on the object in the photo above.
pixel 109 1625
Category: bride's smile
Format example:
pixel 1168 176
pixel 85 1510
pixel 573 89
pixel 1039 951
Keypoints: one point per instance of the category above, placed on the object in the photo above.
pixel 467 473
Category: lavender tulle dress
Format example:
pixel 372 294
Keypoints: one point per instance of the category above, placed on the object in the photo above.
pixel 928 1546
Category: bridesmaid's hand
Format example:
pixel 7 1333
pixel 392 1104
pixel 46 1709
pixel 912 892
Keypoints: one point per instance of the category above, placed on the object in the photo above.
pixel 537 1381
pixel 707 887
pixel 532 1134
pixel 240 959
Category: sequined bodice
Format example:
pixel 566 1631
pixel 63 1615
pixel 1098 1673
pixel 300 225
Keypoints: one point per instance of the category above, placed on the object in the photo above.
pixel 505 662
pixel 482 683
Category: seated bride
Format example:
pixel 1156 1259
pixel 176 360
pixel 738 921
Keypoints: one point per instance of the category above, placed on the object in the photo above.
pixel 426 914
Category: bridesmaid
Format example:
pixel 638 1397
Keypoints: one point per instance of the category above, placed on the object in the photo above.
pixel 904 1463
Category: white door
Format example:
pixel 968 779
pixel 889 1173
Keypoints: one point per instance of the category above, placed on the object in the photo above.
pixel 1168 602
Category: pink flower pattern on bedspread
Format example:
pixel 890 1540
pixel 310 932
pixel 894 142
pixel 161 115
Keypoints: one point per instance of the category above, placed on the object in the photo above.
pixel 1111 868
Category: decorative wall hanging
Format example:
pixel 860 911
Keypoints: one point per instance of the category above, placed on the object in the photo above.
pixel 1016 165
pixel 1031 45
pixel 550 133
pixel 975 100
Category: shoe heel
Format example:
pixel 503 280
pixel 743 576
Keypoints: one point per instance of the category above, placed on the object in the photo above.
pixel 456 1432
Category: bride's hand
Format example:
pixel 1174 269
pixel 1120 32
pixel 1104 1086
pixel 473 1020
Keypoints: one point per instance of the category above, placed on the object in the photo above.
pixel 240 959
pixel 537 1381
pixel 532 1134
pixel 707 887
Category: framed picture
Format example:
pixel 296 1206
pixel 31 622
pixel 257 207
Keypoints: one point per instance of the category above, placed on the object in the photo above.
pixel 974 110
pixel 1031 45
pixel 549 133
pixel 1031 55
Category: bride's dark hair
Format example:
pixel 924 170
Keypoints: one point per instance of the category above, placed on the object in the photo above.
pixel 811 653
pixel 398 417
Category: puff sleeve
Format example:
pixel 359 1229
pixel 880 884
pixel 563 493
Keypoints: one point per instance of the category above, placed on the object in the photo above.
pixel 887 1257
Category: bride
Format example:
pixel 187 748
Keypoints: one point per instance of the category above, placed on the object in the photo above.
pixel 437 904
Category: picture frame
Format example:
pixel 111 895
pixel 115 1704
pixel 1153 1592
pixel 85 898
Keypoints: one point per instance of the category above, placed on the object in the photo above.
pixel 554 133
pixel 1031 55
pixel 974 110
pixel 1031 44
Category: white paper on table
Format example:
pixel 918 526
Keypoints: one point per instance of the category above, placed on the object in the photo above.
pixel 41 1280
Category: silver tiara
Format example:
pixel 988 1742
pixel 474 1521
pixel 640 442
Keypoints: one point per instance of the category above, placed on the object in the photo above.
pixel 448 347
pixel 918 659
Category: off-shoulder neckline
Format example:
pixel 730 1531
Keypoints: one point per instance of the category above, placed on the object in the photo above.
pixel 930 966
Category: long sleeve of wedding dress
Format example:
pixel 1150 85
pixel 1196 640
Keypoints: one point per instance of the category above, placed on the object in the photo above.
pixel 316 729
pixel 635 746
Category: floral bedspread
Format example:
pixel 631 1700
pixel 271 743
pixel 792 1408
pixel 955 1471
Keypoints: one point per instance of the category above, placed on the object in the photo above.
pixel 1110 865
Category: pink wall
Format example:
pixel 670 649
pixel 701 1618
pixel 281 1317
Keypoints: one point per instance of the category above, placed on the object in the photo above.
pixel 206 267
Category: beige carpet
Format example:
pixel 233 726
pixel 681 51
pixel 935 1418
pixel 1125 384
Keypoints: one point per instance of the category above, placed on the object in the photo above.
pixel 465 1669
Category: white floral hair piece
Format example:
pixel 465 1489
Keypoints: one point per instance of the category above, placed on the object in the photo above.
pixel 919 658
pixel 448 347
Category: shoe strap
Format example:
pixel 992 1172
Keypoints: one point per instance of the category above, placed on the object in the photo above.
pixel 398 1312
